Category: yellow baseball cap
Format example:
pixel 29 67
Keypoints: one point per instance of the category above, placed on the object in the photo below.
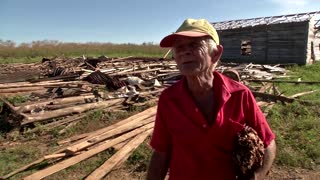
pixel 192 28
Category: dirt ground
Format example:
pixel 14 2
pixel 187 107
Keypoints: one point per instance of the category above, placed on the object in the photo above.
pixel 276 173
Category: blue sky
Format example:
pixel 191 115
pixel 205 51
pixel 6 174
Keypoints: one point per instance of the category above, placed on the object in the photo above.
pixel 126 21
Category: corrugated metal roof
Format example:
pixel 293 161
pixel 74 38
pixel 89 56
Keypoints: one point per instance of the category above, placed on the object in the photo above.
pixel 241 23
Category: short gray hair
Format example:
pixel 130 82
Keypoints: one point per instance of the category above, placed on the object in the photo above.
pixel 212 46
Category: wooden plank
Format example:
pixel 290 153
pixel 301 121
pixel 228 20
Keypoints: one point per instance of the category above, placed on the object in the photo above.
pixel 85 155
pixel 137 117
pixel 23 168
pixel 124 128
pixel 32 105
pixel 265 87
pixel 284 81
pixel 106 167
pixel 21 89
pixel 302 94
pixel 272 97
pixel 88 136
pixel 73 139
pixel 69 110
pixel 49 83
pixel 23 93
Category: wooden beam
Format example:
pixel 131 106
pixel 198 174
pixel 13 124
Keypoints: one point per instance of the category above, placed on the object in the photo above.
pixel 21 89
pixel 137 117
pixel 273 97
pixel 48 83
pixel 69 110
pixel 87 136
pixel 124 128
pixel 302 93
pixel 283 81
pixel 106 167
pixel 85 155
pixel 67 100
pixel 264 88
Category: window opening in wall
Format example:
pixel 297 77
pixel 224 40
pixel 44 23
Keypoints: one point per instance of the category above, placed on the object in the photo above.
pixel 246 48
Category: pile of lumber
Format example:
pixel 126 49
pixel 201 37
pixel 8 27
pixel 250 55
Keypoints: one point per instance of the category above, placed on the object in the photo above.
pixel 125 136
pixel 64 90
pixel 66 87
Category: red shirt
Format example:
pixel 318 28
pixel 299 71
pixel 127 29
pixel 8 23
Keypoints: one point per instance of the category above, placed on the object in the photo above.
pixel 197 150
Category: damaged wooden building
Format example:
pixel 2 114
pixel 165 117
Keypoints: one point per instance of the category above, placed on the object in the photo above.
pixel 286 39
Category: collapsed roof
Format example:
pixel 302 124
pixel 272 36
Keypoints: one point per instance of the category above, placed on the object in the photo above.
pixel 241 23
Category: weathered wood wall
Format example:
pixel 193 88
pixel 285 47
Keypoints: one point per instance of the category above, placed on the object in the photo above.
pixel 317 46
pixel 311 43
pixel 316 40
pixel 271 44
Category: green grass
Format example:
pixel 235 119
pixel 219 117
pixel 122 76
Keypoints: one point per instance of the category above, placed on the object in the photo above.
pixel 13 157
pixel 16 100
pixel 34 52
pixel 140 158
pixel 297 125
pixel 297 130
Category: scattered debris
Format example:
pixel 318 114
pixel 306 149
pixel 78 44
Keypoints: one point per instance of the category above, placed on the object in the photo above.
pixel 63 90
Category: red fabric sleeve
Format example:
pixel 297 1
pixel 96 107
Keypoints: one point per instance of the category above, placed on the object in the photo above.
pixel 257 121
pixel 160 140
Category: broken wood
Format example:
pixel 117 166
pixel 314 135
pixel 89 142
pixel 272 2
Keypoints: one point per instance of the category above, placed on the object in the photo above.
pixel 23 93
pixel 120 59
pixel 302 93
pixel 73 139
pixel 264 88
pixel 137 72
pixel 284 81
pixel 49 83
pixel 137 117
pixel 272 97
pixel 88 136
pixel 124 128
pixel 106 167
pixel 59 122
pixel 53 156
pixel 23 168
pixel 123 71
pixel 60 77
pixel 69 110
pixel 20 89
pixel 87 154
pixel 76 99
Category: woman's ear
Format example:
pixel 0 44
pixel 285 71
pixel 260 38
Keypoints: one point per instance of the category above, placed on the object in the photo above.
pixel 217 53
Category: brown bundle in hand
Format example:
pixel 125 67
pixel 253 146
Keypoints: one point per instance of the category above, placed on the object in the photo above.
pixel 248 153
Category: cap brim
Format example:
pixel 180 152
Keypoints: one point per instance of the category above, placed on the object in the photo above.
pixel 168 40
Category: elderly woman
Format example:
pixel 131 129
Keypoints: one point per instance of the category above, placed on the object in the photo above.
pixel 199 117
